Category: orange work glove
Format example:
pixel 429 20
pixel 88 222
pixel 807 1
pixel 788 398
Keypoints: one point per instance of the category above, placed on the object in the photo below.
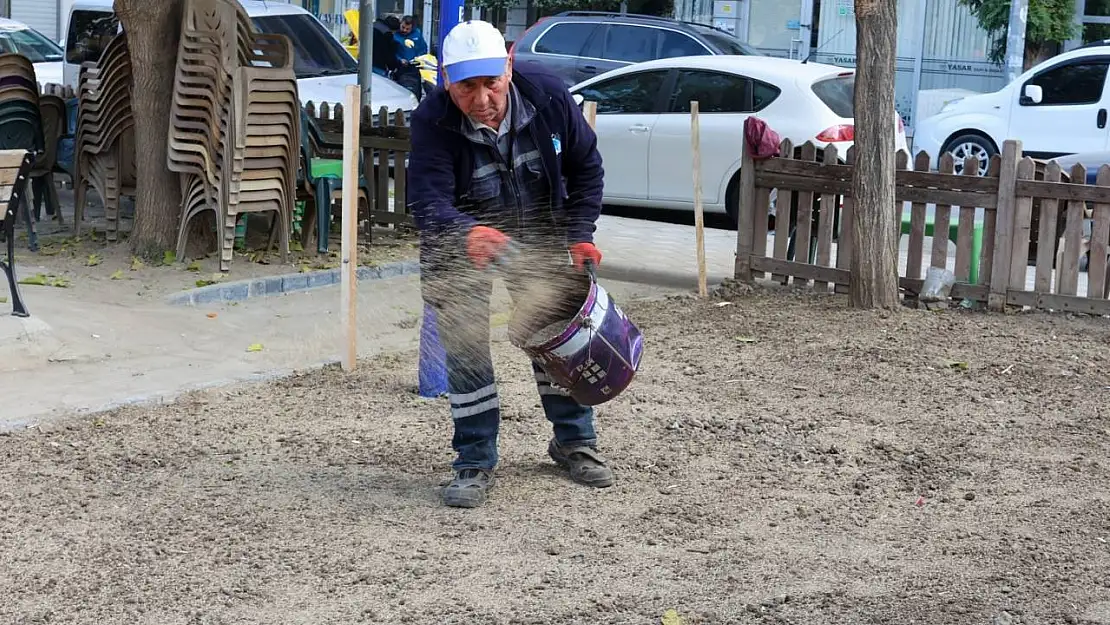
pixel 483 244
pixel 582 252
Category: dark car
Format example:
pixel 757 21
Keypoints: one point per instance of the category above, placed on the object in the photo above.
pixel 577 45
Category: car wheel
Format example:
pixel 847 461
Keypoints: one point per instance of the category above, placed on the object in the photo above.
pixel 732 202
pixel 968 145
pixel 732 205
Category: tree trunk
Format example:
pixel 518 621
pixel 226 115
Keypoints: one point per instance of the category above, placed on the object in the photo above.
pixel 874 281
pixel 153 30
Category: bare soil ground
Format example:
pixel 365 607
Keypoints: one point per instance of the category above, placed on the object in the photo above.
pixel 780 458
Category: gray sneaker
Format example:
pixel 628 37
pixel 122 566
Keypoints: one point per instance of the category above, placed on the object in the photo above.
pixel 586 466
pixel 469 488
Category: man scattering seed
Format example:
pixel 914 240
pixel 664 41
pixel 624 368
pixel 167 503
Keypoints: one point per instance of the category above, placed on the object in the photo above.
pixel 502 159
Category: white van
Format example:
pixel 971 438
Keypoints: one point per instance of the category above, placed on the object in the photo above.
pixel 1060 106
pixel 323 66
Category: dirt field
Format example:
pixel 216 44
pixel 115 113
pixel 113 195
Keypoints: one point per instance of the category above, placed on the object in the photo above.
pixel 780 459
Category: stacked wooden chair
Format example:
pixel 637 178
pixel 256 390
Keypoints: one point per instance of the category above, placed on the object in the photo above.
pixel 104 148
pixel 20 119
pixel 235 123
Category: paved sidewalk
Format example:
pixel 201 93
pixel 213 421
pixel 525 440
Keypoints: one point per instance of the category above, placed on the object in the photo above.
pixel 662 253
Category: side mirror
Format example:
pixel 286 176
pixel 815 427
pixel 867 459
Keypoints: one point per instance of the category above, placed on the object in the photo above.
pixel 1033 93
pixel 578 99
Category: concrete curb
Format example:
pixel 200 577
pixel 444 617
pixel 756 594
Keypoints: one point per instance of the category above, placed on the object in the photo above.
pixel 288 283
pixel 295 282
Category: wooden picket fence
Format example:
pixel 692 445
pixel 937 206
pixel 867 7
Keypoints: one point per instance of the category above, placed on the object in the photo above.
pixel 1022 203
pixel 384 138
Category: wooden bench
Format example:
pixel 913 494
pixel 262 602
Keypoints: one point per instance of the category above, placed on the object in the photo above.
pixel 15 165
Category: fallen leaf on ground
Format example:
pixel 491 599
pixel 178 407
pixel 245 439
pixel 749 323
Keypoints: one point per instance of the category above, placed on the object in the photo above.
pixel 215 279
pixel 93 261
pixel 193 266
pixel 296 246
pixel 117 275
pixel 255 347
pixel 957 364
pixel 136 264
pixel 498 320
pixel 41 279
pixel 671 617
pixel 212 315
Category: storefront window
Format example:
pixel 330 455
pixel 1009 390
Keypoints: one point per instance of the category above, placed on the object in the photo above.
pixel 1097 8
pixel 1095 32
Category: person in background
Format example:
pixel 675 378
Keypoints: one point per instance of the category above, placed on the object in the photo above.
pixel 410 45
pixel 410 41
pixel 385 60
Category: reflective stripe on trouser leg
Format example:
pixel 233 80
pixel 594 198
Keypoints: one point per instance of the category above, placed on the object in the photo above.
pixel 462 313
pixel 573 423
pixel 474 403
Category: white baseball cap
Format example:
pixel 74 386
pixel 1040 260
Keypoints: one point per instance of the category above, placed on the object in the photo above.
pixel 474 49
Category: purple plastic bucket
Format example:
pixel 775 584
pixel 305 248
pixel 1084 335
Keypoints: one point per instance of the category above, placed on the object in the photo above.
pixel 596 355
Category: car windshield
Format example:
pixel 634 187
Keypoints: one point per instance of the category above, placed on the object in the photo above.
pixel 31 44
pixel 316 52
pixel 726 42
pixel 838 94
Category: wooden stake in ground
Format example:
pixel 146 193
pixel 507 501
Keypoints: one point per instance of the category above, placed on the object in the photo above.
pixel 589 110
pixel 699 214
pixel 874 265
pixel 349 245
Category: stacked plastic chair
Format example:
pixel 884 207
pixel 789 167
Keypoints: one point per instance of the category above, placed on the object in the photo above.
pixel 104 148
pixel 266 150
pixel 235 126
pixel 20 118
pixel 52 107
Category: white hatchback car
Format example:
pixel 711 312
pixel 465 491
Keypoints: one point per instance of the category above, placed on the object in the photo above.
pixel 643 122
pixel 44 54
pixel 1058 107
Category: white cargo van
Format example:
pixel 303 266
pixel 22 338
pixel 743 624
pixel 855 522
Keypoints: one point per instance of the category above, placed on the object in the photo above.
pixel 323 66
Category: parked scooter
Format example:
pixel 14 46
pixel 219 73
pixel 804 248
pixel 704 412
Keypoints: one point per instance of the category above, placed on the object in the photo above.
pixel 427 64
pixel 429 69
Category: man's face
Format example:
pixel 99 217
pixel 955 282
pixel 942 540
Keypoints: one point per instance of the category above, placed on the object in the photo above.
pixel 406 28
pixel 483 99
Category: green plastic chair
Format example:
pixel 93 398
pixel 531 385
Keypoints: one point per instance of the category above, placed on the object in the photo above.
pixel 325 175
